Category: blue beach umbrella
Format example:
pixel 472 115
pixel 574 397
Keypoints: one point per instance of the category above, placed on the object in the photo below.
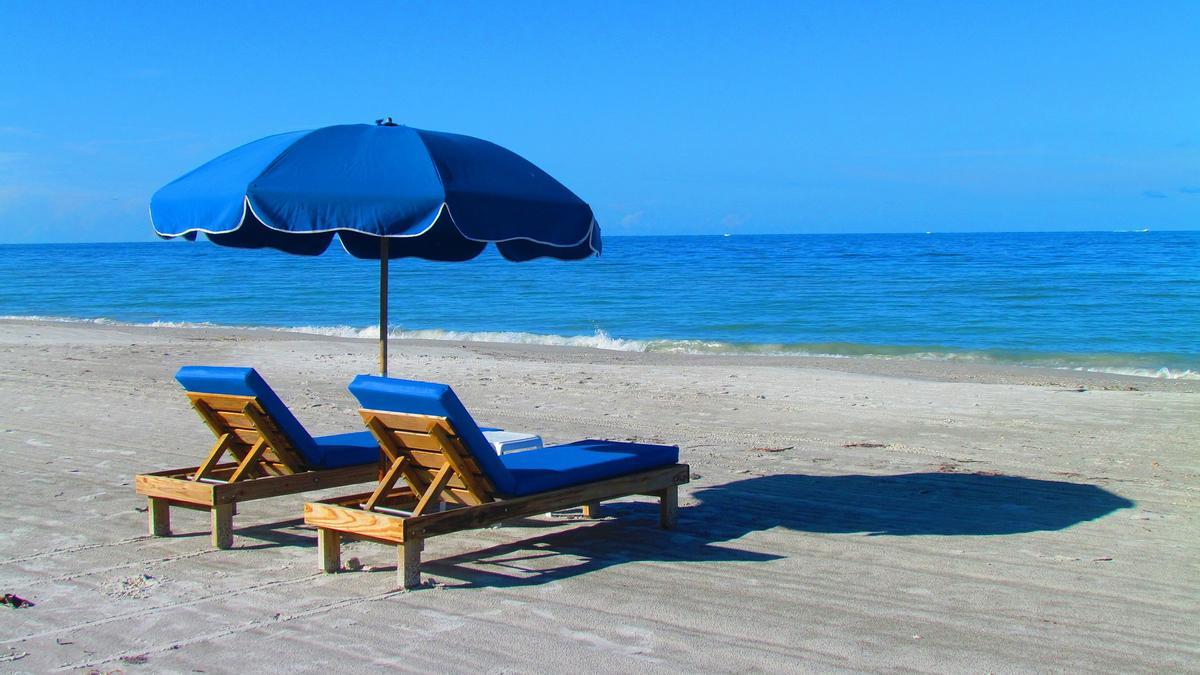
pixel 385 191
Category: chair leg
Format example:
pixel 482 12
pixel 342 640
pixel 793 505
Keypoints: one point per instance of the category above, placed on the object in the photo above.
pixel 160 516
pixel 591 510
pixel 668 506
pixel 329 549
pixel 409 570
pixel 222 525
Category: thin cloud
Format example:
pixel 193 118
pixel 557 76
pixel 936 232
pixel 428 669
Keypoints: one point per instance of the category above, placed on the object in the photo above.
pixel 16 168
pixel 12 193
pixel 633 218
pixel 61 201
pixel 33 213
pixel 1190 190
pixel 1154 194
pixel 734 220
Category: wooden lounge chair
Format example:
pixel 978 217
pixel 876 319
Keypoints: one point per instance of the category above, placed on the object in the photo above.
pixel 272 453
pixel 455 481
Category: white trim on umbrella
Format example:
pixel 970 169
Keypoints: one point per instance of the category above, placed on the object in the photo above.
pixel 248 207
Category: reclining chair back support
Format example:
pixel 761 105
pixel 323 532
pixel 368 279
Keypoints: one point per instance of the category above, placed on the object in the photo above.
pixel 426 451
pixel 244 431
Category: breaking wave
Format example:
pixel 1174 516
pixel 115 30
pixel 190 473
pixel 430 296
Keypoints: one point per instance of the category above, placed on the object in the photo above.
pixel 1138 365
pixel 599 340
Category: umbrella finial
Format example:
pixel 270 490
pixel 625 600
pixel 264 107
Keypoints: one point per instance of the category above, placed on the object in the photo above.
pixel 389 123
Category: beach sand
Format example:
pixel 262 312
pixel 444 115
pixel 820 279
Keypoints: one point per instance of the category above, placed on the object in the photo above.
pixel 844 514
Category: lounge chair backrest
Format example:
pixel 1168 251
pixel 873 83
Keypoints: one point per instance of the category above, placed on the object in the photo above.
pixel 206 385
pixel 411 398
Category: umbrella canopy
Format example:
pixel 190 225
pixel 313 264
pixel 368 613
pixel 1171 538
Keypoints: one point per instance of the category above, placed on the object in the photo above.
pixel 433 195
pixel 385 191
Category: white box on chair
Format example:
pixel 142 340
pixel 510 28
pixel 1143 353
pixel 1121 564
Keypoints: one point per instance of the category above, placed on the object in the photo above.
pixel 506 442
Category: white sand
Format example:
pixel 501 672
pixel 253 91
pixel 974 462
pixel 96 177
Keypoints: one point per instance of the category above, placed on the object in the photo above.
pixel 1008 522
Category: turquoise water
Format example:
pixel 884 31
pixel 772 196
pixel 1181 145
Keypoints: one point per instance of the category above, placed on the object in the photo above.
pixel 1112 301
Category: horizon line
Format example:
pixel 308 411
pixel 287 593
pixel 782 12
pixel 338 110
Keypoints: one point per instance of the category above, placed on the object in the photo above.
pixel 721 235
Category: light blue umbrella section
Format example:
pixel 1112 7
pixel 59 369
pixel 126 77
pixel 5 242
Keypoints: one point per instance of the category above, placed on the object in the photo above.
pixel 386 191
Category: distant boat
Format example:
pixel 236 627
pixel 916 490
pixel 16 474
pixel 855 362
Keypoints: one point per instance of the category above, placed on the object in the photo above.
pixel 727 235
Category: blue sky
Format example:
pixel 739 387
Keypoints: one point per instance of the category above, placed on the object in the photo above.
pixel 667 117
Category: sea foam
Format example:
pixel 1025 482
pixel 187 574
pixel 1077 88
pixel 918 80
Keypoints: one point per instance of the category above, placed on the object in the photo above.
pixel 600 339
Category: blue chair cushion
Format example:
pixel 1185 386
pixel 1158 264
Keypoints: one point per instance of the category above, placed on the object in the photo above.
pixel 582 462
pixel 327 452
pixel 338 450
pixel 428 398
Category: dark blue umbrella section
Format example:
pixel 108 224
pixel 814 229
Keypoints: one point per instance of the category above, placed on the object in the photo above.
pixel 385 191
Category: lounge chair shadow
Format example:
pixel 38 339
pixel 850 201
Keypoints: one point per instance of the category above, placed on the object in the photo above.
pixel 631 536
pixel 268 535
pixel 947 504
pixel 906 504
pixel 272 535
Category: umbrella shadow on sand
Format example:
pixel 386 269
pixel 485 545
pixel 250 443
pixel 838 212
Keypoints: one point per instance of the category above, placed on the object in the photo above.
pixel 946 504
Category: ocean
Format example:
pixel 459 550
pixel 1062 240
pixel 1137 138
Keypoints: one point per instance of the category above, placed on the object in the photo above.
pixel 1122 302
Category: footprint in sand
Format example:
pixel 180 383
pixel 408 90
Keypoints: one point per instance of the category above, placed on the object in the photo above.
pixel 628 641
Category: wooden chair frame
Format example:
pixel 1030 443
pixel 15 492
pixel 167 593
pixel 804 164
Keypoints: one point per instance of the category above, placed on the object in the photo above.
pixel 446 492
pixel 265 465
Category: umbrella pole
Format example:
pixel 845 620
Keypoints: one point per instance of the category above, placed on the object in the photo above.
pixel 383 305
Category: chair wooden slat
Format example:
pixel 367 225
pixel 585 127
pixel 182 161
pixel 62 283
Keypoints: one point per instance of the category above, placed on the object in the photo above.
pixel 417 440
pixel 206 412
pixel 246 437
pixel 220 402
pixel 406 421
pixel 426 458
pixel 234 419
